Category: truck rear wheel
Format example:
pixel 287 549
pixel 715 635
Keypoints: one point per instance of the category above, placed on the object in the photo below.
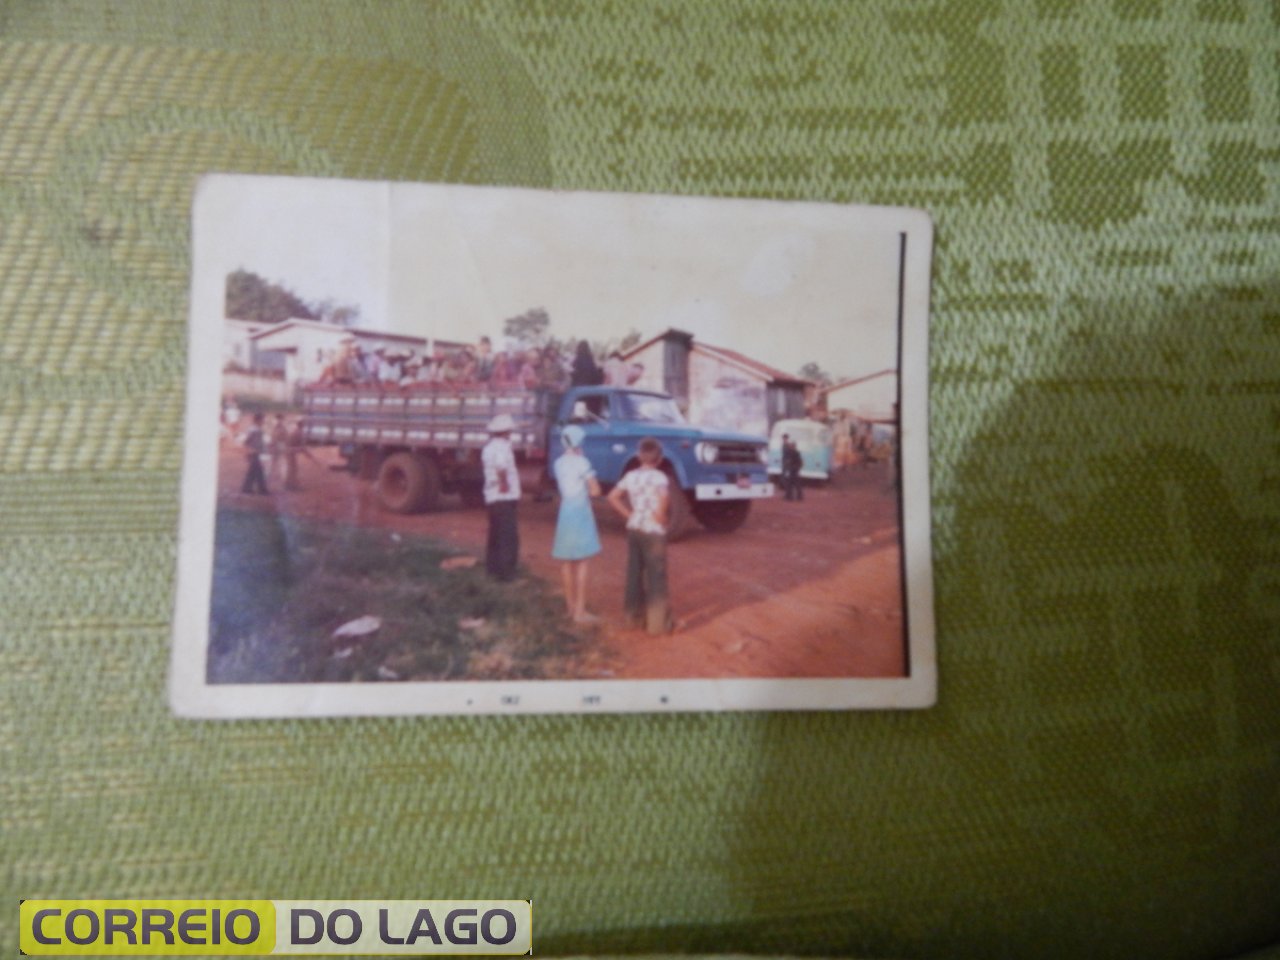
pixel 472 494
pixel 408 483
pixel 722 516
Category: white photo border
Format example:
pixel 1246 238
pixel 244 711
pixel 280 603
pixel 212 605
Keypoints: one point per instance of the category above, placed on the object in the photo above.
pixel 192 695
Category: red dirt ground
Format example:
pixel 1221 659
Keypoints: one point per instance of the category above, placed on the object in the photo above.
pixel 808 589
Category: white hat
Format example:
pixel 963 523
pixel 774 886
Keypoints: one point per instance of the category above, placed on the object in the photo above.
pixel 502 423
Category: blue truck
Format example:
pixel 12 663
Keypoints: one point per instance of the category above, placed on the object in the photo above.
pixel 422 442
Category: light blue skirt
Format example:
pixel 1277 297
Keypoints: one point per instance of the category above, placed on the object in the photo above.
pixel 576 536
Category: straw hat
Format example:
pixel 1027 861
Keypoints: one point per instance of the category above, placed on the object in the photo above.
pixel 502 423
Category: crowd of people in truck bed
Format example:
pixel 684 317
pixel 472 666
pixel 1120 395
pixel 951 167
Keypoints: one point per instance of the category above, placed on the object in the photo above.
pixel 530 368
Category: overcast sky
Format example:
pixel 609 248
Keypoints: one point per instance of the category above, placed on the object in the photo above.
pixel 784 283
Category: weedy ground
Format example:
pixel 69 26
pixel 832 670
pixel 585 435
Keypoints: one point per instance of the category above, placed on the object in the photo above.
pixel 283 586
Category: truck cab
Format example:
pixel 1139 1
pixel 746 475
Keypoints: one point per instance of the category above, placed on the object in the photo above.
pixel 715 474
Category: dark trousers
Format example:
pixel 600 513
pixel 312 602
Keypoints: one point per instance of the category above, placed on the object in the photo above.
pixel 503 550
pixel 646 598
pixel 791 486
pixel 255 481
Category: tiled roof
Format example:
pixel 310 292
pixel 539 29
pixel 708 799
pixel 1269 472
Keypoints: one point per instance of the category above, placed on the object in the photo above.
pixel 722 353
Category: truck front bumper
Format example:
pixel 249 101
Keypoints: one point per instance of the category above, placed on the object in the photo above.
pixel 732 491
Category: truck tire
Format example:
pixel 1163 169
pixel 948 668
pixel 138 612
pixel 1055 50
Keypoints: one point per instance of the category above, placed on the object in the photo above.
pixel 722 516
pixel 680 522
pixel 472 494
pixel 408 483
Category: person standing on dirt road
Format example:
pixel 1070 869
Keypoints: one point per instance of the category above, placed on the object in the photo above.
pixel 255 480
pixel 648 494
pixel 577 539
pixel 501 495
pixel 792 463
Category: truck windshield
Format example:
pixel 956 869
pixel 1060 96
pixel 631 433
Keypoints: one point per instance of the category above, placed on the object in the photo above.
pixel 647 408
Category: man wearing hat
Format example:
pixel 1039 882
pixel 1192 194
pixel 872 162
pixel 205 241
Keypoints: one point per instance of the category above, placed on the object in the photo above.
pixel 501 494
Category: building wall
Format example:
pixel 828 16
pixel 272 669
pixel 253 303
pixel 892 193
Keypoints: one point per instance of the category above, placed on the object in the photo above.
pixel 651 357
pixel 722 396
pixel 311 350
pixel 725 397
pixel 257 386
pixel 237 348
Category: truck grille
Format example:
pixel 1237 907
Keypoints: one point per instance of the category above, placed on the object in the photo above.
pixel 737 453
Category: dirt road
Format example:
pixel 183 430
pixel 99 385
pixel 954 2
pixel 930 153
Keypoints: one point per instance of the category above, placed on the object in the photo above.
pixel 808 589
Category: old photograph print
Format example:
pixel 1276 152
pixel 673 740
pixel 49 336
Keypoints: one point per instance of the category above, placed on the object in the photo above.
pixel 461 449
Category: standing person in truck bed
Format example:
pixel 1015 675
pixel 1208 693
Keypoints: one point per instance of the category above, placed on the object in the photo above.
pixel 585 372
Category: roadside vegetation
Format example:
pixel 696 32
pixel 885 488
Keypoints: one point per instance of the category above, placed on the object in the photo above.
pixel 295 601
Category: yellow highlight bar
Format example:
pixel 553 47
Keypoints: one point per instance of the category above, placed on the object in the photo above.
pixel 119 928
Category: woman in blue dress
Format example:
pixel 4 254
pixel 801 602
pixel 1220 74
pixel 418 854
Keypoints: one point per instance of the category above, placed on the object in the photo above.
pixel 577 539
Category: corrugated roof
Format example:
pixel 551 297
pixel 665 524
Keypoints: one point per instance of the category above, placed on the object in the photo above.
pixel 353 332
pixel 763 369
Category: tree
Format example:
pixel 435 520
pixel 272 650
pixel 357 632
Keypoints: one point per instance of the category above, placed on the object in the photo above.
pixel 811 371
pixel 339 314
pixel 528 329
pixel 533 329
pixel 602 348
pixel 250 297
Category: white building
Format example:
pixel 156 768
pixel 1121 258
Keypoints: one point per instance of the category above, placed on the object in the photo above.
pixel 237 345
pixel 303 348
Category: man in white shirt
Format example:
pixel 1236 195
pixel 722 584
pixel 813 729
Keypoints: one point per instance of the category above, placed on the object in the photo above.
pixel 615 370
pixel 501 494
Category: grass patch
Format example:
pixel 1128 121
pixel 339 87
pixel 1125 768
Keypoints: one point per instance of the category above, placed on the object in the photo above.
pixel 282 586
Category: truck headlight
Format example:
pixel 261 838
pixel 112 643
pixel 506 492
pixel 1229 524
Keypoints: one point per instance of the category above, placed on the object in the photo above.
pixel 763 454
pixel 705 452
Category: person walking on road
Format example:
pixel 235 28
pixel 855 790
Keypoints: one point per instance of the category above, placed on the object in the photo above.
pixel 792 462
pixel 255 480
pixel 501 495
pixel 647 492
pixel 577 539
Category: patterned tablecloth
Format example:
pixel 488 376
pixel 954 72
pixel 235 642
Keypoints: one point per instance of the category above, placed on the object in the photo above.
pixel 1102 775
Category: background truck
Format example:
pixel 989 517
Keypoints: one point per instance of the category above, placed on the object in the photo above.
pixel 421 442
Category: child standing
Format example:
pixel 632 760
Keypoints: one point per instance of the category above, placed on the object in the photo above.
pixel 577 539
pixel 648 495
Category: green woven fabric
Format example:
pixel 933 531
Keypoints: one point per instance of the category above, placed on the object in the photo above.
pixel 1102 774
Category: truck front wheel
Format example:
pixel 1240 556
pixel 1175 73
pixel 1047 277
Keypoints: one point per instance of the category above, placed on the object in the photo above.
pixel 408 483
pixel 722 516
pixel 679 516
